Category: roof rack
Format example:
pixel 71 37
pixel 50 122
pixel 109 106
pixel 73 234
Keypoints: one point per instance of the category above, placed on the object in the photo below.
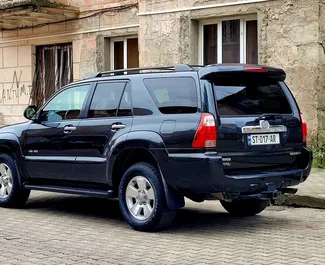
pixel 176 68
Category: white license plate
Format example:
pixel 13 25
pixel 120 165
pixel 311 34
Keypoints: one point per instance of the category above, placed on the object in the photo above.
pixel 263 139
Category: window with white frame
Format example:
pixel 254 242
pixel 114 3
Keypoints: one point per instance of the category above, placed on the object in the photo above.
pixel 124 53
pixel 229 41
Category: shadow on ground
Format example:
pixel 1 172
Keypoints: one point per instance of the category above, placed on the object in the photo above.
pixel 189 218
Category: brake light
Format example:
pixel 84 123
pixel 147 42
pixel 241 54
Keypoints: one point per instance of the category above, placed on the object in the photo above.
pixel 206 133
pixel 303 128
pixel 255 69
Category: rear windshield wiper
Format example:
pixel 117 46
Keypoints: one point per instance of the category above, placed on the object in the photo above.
pixel 269 116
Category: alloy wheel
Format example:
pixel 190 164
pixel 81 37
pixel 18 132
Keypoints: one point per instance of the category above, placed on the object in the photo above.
pixel 140 198
pixel 5 181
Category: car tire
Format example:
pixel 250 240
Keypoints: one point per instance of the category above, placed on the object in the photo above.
pixel 11 194
pixel 142 199
pixel 245 207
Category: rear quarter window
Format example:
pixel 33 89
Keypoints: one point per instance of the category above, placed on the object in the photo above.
pixel 251 98
pixel 173 95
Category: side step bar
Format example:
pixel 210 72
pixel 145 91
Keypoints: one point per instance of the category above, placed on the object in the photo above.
pixel 75 191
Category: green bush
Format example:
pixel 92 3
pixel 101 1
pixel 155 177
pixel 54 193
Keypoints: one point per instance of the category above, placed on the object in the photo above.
pixel 319 158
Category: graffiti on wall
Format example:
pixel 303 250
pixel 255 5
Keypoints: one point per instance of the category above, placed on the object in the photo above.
pixel 16 90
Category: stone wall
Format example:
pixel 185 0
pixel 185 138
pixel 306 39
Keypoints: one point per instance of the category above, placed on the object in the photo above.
pixel 319 150
pixel 290 34
pixel 15 82
pixel 17 49
pixel 288 38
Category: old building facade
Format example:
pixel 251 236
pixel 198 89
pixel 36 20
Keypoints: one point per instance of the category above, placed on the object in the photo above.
pixel 46 44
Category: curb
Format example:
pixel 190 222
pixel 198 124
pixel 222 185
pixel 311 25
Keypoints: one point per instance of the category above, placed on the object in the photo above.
pixel 301 201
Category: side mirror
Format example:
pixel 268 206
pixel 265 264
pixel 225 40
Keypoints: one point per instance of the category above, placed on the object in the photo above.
pixel 30 112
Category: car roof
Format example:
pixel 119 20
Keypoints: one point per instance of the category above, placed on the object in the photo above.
pixel 203 71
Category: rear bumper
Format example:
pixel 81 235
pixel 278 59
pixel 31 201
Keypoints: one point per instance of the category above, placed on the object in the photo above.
pixel 203 173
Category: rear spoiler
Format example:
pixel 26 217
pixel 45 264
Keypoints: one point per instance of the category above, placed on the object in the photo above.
pixel 226 72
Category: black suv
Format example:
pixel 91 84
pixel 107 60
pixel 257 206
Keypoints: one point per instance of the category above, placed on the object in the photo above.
pixel 152 136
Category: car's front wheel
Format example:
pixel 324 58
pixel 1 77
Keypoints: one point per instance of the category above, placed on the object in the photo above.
pixel 11 194
pixel 142 199
pixel 245 207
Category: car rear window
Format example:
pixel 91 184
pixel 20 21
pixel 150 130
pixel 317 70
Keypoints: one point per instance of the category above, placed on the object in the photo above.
pixel 173 95
pixel 249 98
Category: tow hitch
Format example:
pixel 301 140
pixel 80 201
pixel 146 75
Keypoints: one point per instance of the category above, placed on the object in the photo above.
pixel 264 195
pixel 270 193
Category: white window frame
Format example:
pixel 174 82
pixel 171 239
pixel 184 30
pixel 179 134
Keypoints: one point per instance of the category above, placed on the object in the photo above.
pixel 125 49
pixel 242 34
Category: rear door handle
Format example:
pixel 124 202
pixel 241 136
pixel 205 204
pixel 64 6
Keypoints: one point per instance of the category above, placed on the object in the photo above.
pixel 117 126
pixel 69 128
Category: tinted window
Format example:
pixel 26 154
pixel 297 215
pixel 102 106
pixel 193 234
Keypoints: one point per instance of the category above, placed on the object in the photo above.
pixel 106 100
pixel 66 105
pixel 125 108
pixel 173 95
pixel 251 98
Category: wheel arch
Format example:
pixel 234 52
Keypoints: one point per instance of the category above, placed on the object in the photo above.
pixel 9 145
pixel 145 147
pixel 4 149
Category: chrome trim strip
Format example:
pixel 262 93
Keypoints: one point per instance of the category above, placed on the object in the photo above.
pixel 60 159
pixel 90 160
pixel 258 129
pixel 51 158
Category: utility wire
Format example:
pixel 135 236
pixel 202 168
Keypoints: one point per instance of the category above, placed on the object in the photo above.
pixel 94 13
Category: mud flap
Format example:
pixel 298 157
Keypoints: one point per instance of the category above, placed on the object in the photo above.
pixel 174 200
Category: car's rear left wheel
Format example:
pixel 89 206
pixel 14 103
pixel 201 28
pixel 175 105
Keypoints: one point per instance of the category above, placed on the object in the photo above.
pixel 11 194
pixel 142 199
pixel 245 207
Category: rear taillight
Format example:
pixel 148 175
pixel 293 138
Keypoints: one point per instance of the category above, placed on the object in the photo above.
pixel 206 133
pixel 303 128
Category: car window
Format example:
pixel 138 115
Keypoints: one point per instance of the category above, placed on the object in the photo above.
pixel 250 98
pixel 66 105
pixel 173 95
pixel 125 108
pixel 106 100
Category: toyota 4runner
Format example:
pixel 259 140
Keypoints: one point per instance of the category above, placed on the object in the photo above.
pixel 152 136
